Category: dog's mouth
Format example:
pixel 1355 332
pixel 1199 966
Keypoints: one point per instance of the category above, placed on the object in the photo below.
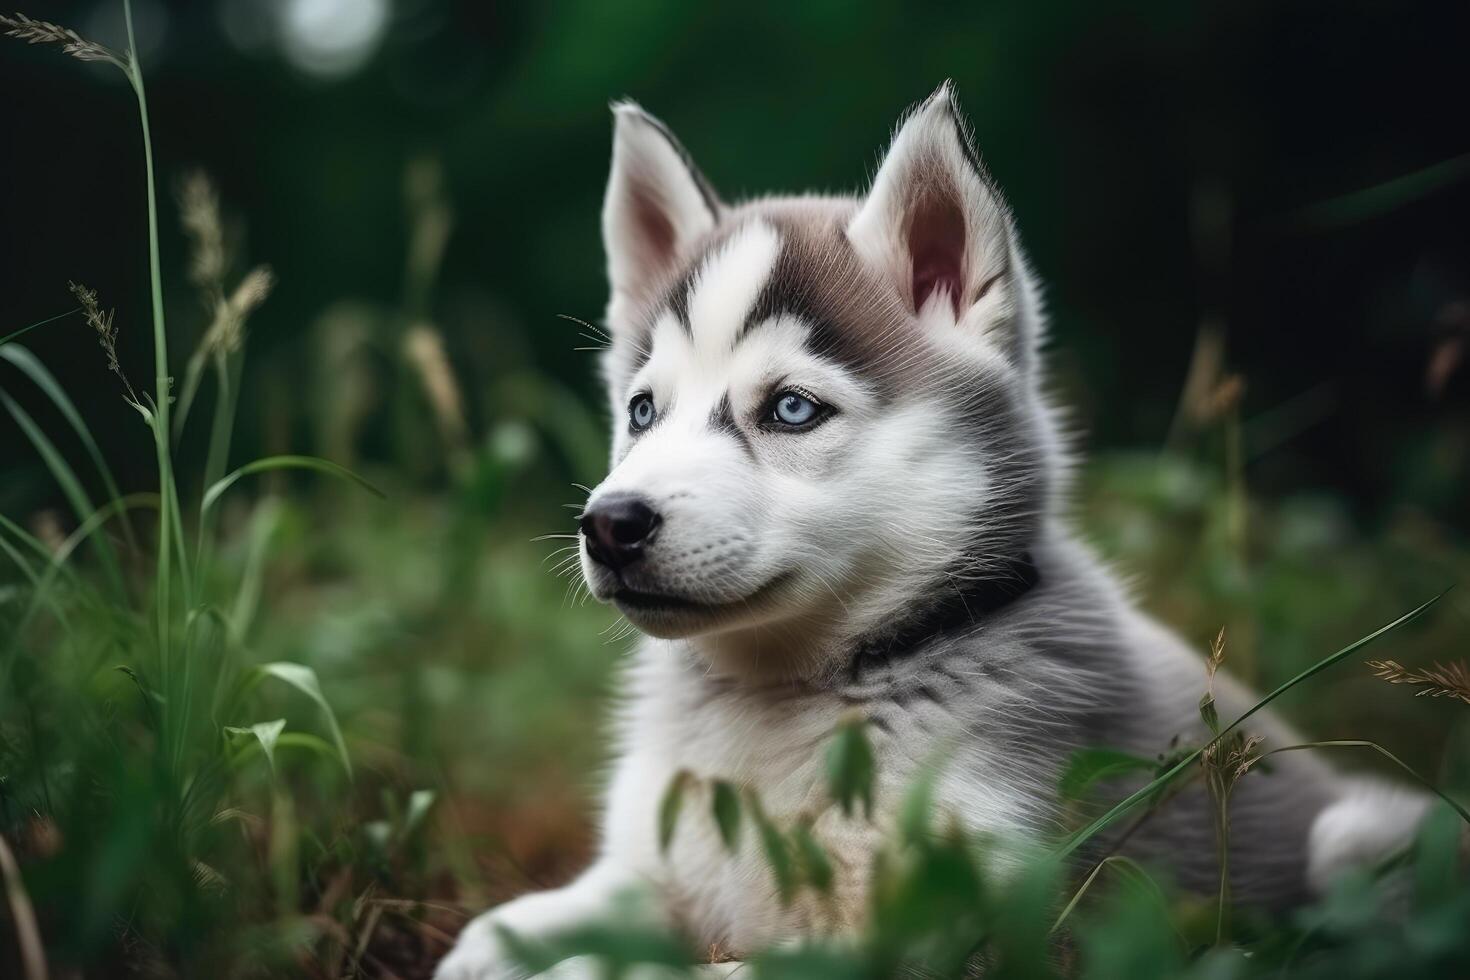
pixel 668 614
pixel 658 600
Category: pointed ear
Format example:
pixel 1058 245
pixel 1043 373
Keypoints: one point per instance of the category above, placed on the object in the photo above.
pixel 657 206
pixel 935 225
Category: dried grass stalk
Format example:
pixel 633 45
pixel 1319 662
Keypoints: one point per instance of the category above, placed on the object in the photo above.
pixel 424 349
pixel 200 216
pixel 43 32
pixel 102 323
pixel 226 333
pixel 1440 681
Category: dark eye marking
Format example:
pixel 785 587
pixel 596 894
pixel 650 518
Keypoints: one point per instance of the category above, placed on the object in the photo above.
pixel 641 412
pixel 722 419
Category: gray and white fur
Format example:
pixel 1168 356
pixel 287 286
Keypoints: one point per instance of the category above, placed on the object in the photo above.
pixel 837 485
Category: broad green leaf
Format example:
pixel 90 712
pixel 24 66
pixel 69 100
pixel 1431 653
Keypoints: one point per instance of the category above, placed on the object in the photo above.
pixel 284 463
pixel 669 807
pixel 266 733
pixel 825 960
pixel 1088 767
pixel 1209 712
pixel 304 680
pixel 850 767
pixel 308 742
pixel 918 806
pixel 725 803
pixel 777 849
pixel 617 946
pixel 816 867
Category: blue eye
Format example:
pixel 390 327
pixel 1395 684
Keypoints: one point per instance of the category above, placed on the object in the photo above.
pixel 641 412
pixel 795 409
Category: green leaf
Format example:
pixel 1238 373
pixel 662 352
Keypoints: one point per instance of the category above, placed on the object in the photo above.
pixel 284 463
pixel 420 801
pixel 266 733
pixel 1088 767
pixel 725 803
pixel 816 867
pixel 304 680
pixel 850 767
pixel 776 848
pixel 1209 713
pixel 616 945
pixel 809 960
pixel 669 807
pixel 308 742
pixel 918 805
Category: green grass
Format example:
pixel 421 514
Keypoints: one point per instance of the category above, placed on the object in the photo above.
pixel 258 722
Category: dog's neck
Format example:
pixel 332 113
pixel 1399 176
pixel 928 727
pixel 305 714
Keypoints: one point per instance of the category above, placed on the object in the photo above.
pixel 957 606
pixel 827 644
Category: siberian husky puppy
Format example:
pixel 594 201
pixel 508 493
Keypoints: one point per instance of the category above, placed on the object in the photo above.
pixel 837 486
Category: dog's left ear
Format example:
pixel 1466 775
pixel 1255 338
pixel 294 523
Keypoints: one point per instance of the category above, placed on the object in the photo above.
pixel 935 225
pixel 657 206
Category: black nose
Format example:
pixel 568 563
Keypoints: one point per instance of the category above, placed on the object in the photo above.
pixel 617 528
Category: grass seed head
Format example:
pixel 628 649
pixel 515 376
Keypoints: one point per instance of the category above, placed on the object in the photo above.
pixel 43 32
pixel 423 347
pixel 1450 680
pixel 102 323
pixel 199 214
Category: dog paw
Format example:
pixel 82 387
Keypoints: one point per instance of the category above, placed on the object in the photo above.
pixel 478 955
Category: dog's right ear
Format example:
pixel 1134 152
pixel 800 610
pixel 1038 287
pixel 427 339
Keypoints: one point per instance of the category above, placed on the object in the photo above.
pixel 657 206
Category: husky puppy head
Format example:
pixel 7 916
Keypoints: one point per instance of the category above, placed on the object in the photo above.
pixel 826 411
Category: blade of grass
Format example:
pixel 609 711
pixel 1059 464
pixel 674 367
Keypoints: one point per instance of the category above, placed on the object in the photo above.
pixel 1362 743
pixel 23 915
pixel 304 680
pixel 263 524
pixel 31 576
pixel 1124 864
pixel 22 358
pixel 1370 202
pixel 1085 834
pixel 31 541
pixel 170 523
pixel 39 323
pixel 57 566
pixel 71 487
pixel 284 463
pixel 227 393
pixel 193 374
